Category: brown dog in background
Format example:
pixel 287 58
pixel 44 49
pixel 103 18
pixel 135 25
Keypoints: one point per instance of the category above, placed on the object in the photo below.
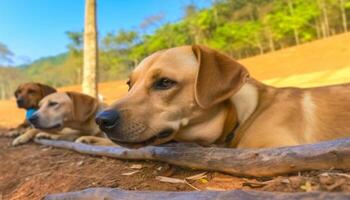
pixel 28 96
pixel 69 116
pixel 196 94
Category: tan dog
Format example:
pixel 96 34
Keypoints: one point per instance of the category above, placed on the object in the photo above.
pixel 28 96
pixel 69 116
pixel 196 94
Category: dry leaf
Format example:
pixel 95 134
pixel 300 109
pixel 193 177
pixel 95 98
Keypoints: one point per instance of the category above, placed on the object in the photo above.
pixel 136 166
pixel 215 189
pixel 307 187
pixel 197 176
pixel 130 173
pixel 169 180
pixel 285 181
pixel 80 163
pixel 203 180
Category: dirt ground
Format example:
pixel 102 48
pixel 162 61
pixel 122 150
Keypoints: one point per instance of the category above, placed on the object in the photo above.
pixel 32 171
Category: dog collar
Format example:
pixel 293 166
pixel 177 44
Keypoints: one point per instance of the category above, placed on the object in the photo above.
pixel 231 135
pixel 230 126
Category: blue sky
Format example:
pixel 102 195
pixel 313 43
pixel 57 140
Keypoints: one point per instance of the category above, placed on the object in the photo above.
pixel 35 28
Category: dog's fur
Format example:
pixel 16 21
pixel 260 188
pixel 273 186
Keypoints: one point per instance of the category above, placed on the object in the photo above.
pixel 212 94
pixel 28 95
pixel 69 116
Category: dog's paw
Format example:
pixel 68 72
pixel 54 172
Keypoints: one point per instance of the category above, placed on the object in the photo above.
pixel 43 135
pixel 12 134
pixel 20 140
pixel 92 140
pixel 86 140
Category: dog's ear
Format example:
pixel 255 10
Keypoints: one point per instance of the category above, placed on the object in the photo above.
pixel 218 78
pixel 84 106
pixel 46 90
pixel 17 90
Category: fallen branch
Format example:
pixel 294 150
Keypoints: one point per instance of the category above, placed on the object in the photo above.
pixel 240 162
pixel 109 193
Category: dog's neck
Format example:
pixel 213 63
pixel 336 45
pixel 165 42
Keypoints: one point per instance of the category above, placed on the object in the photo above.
pixel 88 126
pixel 246 101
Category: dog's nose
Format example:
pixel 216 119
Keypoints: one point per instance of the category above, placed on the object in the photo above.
pixel 33 119
pixel 20 102
pixel 108 119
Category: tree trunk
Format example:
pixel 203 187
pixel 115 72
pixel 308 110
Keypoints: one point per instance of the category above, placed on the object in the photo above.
pixel 322 5
pixel 318 29
pixel 90 50
pixel 259 45
pixel 343 15
pixel 78 75
pixel 295 30
pixel 213 2
pixel 323 28
pixel 2 90
pixel 270 39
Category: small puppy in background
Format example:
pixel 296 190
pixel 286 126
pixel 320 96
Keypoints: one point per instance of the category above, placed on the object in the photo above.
pixel 69 116
pixel 28 96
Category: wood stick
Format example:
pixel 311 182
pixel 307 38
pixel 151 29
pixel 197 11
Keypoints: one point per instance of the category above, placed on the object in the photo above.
pixel 109 193
pixel 240 162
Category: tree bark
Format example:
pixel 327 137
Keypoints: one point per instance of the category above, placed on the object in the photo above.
pixel 318 28
pixel 109 193
pixel 2 90
pixel 270 39
pixel 90 50
pixel 295 30
pixel 343 15
pixel 322 5
pixel 239 162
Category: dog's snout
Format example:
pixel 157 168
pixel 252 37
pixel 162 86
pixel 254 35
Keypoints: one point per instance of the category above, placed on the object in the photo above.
pixel 34 119
pixel 20 102
pixel 108 119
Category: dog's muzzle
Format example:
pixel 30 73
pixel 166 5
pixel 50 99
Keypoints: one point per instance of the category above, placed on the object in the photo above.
pixel 33 119
pixel 113 124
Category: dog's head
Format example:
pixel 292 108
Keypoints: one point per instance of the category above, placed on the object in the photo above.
pixel 179 93
pixel 28 95
pixel 57 109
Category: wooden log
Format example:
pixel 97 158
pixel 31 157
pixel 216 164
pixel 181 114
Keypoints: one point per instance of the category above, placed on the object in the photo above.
pixel 240 162
pixel 109 193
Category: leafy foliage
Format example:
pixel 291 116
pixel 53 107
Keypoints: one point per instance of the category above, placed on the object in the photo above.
pixel 5 54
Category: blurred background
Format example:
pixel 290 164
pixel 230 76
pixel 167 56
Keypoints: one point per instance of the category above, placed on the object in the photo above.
pixel 282 42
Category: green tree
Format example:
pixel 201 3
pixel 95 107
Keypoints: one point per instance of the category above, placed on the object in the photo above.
pixel 293 17
pixel 5 54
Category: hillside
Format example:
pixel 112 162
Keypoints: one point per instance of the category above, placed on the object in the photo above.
pixel 322 62
pixel 317 63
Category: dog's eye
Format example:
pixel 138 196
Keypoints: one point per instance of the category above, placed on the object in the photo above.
pixel 52 103
pixel 129 85
pixel 31 91
pixel 163 84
